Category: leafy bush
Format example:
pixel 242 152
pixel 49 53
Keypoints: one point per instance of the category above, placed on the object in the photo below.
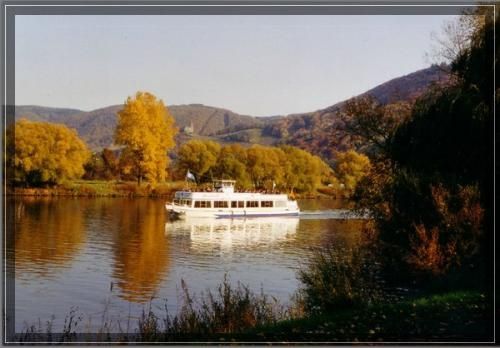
pixel 42 153
pixel 337 278
pixel 229 310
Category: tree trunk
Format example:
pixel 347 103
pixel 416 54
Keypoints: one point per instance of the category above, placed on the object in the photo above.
pixel 139 175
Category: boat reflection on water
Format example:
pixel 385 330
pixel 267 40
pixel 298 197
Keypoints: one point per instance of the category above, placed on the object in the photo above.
pixel 233 233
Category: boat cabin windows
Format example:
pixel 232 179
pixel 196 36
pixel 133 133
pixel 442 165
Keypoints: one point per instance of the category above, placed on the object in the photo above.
pixel 202 204
pixel 182 202
pixel 237 204
pixel 280 204
pixel 266 204
pixel 220 204
pixel 252 204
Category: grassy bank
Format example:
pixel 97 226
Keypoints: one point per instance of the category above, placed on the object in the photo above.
pixel 449 317
pixel 102 188
pixel 455 316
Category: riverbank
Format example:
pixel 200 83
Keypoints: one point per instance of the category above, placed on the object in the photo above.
pixel 102 188
pixel 449 317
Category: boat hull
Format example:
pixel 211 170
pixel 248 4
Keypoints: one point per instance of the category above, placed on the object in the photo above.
pixel 180 212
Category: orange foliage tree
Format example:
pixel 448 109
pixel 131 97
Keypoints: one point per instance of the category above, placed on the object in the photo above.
pixel 46 153
pixel 146 130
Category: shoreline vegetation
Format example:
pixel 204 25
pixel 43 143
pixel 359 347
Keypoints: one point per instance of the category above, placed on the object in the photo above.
pixel 235 314
pixel 121 189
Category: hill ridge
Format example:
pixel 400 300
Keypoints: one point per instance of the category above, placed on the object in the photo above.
pixel 305 130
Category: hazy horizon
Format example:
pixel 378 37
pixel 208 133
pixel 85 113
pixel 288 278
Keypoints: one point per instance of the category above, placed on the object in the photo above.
pixel 251 65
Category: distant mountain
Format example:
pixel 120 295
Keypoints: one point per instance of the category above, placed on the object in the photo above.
pixel 314 131
pixel 97 127
pixel 411 86
pixel 208 120
pixel 47 114
pixel 311 131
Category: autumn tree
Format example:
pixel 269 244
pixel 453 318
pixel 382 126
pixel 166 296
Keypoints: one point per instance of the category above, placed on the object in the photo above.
pixel 371 124
pixel 198 156
pixel 264 165
pixel 146 130
pixel 110 163
pixel 444 156
pixel 304 171
pixel 46 153
pixel 260 167
pixel 350 168
pixel 94 168
pixel 434 212
pixel 231 164
pixel 102 165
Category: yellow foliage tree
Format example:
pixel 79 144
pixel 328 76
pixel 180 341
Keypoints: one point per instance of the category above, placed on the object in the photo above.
pixel 350 167
pixel 146 129
pixel 198 156
pixel 304 171
pixel 231 164
pixel 260 167
pixel 46 153
pixel 264 165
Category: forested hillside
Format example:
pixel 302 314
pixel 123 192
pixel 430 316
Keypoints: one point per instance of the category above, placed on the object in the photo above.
pixel 97 127
pixel 313 131
pixel 310 131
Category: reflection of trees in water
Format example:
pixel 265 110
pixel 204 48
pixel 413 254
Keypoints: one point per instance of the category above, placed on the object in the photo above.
pixel 331 232
pixel 48 233
pixel 141 249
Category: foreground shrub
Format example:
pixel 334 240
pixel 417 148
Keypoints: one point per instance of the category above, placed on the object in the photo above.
pixel 454 241
pixel 337 278
pixel 230 309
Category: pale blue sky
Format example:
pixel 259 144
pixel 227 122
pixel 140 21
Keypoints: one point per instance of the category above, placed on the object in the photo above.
pixel 254 65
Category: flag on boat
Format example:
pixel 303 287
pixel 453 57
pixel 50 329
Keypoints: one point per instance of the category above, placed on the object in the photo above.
pixel 190 176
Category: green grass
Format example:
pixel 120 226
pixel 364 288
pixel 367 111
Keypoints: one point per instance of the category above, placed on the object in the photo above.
pixel 456 316
pixel 236 315
pixel 91 187
pixel 103 188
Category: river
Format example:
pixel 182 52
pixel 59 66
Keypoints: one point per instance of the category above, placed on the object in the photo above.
pixel 110 258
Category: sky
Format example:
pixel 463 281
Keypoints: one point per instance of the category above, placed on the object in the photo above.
pixel 252 65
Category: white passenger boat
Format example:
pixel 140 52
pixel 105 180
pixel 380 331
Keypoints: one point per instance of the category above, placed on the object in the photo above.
pixel 223 202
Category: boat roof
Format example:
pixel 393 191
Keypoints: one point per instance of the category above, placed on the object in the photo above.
pixel 225 181
pixel 230 196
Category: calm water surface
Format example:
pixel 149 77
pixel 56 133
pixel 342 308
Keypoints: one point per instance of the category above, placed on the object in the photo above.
pixel 114 257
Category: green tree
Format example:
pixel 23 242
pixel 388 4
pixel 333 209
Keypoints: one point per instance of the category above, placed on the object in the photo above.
pixel 94 168
pixel 304 172
pixel 434 212
pixel 231 164
pixel 146 130
pixel 46 153
pixel 199 157
pixel 371 124
pixel 102 165
pixel 110 163
pixel 263 165
pixel 350 168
